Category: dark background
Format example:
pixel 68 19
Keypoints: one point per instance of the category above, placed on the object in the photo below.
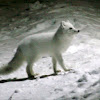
pixel 41 1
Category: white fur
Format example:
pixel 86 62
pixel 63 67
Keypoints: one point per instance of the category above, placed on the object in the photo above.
pixel 36 46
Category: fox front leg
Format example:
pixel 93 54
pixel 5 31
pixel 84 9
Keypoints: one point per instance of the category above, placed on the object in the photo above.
pixel 54 61
pixel 60 61
pixel 54 65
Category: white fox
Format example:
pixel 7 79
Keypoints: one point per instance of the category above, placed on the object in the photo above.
pixel 35 46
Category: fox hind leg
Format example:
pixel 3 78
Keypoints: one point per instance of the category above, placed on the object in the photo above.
pixel 29 68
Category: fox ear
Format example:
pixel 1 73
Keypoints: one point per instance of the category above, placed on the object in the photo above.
pixel 62 22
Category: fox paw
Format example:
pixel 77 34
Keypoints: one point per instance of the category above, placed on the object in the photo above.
pixel 36 74
pixel 57 72
pixel 31 77
pixel 68 70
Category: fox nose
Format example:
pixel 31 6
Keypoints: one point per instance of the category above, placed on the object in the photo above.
pixel 77 31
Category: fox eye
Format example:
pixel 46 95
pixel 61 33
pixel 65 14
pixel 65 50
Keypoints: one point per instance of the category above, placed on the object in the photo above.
pixel 70 28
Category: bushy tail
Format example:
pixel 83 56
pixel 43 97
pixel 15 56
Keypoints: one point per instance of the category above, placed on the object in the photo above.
pixel 14 64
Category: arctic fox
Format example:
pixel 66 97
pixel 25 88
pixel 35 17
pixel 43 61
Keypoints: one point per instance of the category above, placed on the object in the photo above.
pixel 33 47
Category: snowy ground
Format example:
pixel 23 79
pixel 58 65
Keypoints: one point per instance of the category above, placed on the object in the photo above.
pixel 83 56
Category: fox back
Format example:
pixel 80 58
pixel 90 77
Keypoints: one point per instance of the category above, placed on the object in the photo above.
pixel 46 44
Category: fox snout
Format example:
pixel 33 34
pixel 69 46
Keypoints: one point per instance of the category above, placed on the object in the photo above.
pixel 74 29
pixel 77 31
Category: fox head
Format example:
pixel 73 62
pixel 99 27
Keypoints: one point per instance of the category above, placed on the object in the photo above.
pixel 64 34
pixel 68 27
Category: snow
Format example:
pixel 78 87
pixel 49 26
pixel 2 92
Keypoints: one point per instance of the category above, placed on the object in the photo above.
pixel 83 56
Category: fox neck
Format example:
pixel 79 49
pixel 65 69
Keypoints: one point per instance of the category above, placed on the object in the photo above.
pixel 60 36
pixel 61 40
